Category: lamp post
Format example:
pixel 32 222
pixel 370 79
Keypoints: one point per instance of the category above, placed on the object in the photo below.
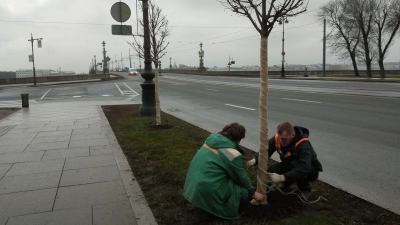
pixel 148 107
pixel 282 22
pixel 95 65
pixel 33 58
pixel 201 56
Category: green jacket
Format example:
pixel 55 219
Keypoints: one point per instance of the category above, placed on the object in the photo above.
pixel 216 181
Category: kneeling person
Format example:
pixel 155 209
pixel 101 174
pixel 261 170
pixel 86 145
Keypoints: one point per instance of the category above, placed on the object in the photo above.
pixel 216 181
pixel 299 161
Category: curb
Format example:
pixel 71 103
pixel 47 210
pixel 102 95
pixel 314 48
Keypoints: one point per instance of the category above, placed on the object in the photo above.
pixel 141 210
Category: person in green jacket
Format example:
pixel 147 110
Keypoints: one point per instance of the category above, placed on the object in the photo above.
pixel 216 181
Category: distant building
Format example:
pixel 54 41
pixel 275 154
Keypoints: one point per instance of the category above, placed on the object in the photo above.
pixel 43 73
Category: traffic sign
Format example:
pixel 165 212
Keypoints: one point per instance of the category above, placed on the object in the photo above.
pixel 283 53
pixel 39 43
pixel 30 58
pixel 229 63
pixel 121 12
pixel 159 61
pixel 121 29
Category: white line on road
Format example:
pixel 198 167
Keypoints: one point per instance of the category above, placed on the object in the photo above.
pixel 211 90
pixel 299 100
pixel 45 94
pixel 119 88
pixel 131 89
pixel 239 107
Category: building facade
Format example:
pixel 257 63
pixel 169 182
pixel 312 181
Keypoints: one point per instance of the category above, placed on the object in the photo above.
pixel 43 73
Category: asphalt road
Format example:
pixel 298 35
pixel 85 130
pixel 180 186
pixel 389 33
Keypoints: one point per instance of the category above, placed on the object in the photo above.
pixel 353 125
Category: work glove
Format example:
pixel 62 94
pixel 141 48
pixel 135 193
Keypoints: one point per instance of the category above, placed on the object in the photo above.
pixel 251 163
pixel 275 178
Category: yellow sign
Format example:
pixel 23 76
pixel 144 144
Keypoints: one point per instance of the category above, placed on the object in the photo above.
pixel 30 58
pixel 39 43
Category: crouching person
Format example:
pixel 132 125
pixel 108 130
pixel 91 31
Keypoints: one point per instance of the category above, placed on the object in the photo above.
pixel 299 161
pixel 216 181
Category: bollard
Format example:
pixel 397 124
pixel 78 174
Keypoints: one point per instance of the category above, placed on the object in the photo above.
pixel 25 100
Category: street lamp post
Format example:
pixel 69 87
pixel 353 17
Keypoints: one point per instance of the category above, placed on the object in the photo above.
pixel 95 65
pixel 201 56
pixel 170 63
pixel 33 58
pixel 282 22
pixel 148 107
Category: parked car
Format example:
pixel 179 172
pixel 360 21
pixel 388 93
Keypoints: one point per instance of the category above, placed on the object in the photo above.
pixel 133 71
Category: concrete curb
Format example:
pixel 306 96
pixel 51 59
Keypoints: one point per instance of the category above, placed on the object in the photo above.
pixel 142 211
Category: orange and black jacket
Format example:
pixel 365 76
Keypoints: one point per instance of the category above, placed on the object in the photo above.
pixel 300 150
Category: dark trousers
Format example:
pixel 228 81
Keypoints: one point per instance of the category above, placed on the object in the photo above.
pixel 303 184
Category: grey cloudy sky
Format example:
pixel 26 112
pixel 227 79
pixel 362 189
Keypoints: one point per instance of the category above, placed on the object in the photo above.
pixel 72 46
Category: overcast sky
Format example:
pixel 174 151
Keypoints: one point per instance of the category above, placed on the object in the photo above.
pixel 72 46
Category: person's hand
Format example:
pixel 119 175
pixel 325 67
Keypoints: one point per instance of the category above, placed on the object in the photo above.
pixel 258 197
pixel 275 178
pixel 251 163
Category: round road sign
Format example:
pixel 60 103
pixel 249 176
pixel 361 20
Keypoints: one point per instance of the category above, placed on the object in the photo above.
pixel 121 12
pixel 283 53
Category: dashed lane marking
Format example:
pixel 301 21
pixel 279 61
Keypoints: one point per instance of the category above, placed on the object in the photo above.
pixel 299 100
pixel 240 107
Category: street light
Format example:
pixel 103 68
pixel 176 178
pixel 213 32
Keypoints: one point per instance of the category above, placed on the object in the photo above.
pixel 148 107
pixel 201 56
pixel 282 22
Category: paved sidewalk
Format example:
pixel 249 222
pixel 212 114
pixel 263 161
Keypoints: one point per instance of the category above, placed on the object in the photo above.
pixel 60 163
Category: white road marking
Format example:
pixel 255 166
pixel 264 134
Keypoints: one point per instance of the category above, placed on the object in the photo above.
pixel 211 90
pixel 106 95
pixel 131 89
pixel 119 88
pixel 124 85
pixel 76 96
pixel 45 94
pixel 299 100
pixel 239 107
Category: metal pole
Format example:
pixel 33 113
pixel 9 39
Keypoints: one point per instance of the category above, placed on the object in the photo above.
pixel 283 48
pixel 95 65
pixel 324 51
pixel 122 64
pixel 130 61
pixel 148 107
pixel 33 60
pixel 229 62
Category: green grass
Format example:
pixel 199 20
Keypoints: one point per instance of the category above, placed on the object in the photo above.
pixel 160 160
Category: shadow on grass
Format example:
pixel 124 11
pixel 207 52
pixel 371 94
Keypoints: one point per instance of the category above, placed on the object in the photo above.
pixel 160 158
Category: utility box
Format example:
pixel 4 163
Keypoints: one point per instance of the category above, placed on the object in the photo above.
pixel 25 100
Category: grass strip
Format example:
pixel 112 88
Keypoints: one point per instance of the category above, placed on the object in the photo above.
pixel 160 157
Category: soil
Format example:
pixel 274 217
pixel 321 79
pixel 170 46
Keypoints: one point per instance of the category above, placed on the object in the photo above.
pixel 163 191
pixel 4 112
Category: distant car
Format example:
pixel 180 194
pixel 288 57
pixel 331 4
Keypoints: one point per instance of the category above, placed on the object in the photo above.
pixel 133 71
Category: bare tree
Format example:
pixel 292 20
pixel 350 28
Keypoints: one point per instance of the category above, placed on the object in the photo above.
pixel 387 21
pixel 344 36
pixel 159 32
pixel 363 11
pixel 263 20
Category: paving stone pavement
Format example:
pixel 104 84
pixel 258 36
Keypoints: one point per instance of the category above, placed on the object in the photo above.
pixel 60 164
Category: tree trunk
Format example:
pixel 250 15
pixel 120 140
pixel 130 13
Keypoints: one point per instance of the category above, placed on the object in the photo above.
pixel 158 109
pixel 369 70
pixel 353 60
pixel 264 140
pixel 381 68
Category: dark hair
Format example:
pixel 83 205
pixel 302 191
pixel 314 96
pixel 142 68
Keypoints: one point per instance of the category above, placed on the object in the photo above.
pixel 285 126
pixel 235 131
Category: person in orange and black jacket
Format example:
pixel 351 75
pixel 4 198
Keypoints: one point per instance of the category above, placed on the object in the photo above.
pixel 299 162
